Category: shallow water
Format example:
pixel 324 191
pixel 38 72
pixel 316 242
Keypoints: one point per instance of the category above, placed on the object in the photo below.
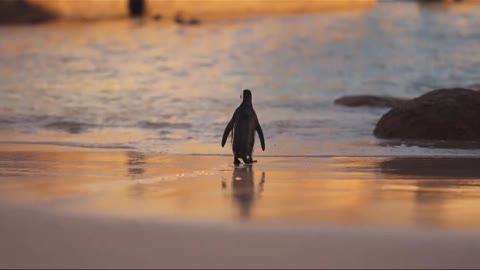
pixel 159 87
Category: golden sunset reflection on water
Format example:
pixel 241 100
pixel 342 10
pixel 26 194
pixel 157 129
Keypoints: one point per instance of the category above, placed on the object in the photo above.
pixel 354 191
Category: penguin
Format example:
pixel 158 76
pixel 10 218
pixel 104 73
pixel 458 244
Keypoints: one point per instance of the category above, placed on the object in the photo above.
pixel 244 123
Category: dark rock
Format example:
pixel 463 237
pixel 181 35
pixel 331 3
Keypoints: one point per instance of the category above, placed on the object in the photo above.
pixel 443 114
pixel 24 12
pixel 372 101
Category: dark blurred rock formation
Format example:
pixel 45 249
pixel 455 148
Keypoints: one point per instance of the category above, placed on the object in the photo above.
pixel 21 11
pixel 443 114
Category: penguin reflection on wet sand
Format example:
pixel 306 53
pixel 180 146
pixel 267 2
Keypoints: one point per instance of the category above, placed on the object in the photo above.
pixel 244 123
pixel 243 189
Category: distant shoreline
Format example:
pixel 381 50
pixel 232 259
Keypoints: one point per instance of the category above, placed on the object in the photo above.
pixel 37 11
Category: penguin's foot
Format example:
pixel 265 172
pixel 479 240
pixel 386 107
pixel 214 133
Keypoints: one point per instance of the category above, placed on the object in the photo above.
pixel 236 162
pixel 250 161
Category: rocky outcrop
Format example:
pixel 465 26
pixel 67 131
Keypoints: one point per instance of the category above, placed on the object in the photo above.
pixel 444 114
pixel 20 11
pixel 33 11
pixel 371 101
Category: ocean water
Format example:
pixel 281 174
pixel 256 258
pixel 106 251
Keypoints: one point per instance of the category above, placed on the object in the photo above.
pixel 159 87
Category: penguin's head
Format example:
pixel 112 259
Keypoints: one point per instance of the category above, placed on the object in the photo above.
pixel 247 96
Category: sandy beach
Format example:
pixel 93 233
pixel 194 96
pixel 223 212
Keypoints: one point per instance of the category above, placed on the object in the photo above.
pixel 66 207
pixel 33 238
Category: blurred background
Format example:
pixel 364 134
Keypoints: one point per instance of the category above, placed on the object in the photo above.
pixel 166 75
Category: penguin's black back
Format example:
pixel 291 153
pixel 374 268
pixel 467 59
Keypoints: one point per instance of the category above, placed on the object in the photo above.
pixel 244 130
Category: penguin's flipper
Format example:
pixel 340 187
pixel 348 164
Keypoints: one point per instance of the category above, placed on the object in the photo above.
pixel 260 134
pixel 228 128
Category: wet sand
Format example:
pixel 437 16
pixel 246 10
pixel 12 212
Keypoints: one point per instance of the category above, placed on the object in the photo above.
pixel 82 207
